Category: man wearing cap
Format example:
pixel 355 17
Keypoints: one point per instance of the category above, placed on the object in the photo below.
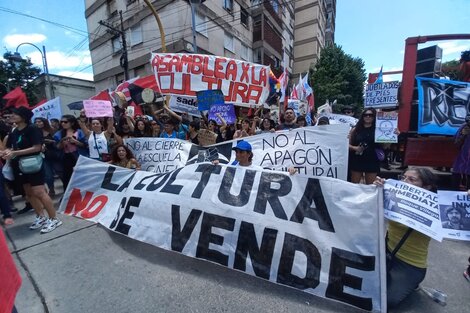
pixel 244 155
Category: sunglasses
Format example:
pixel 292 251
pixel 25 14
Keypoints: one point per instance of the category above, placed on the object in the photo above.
pixel 64 122
pixel 368 115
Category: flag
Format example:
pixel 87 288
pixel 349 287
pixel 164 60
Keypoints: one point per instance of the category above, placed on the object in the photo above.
pixel 309 96
pixel 124 88
pixel 283 80
pixel 103 95
pixel 300 89
pixel 50 109
pixel 16 98
pixel 380 78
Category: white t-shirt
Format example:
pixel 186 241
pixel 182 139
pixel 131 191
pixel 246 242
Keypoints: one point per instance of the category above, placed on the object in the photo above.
pixel 97 141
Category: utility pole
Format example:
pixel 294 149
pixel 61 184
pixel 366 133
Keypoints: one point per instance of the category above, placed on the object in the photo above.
pixel 123 60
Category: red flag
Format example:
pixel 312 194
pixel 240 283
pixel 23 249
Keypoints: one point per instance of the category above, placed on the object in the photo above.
pixel 16 98
pixel 147 82
pixel 39 103
pixel 103 95
pixel 11 279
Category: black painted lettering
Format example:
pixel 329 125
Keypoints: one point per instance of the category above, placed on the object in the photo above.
pixel 236 200
pixel 319 213
pixel 207 170
pixel 292 244
pixel 261 257
pixel 126 183
pixel 122 227
pixel 169 187
pixel 179 237
pixel 338 278
pixel 106 183
pixel 268 194
pixel 206 237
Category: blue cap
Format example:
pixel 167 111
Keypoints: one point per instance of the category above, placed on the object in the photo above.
pixel 242 145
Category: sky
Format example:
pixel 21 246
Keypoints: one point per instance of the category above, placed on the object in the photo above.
pixel 374 30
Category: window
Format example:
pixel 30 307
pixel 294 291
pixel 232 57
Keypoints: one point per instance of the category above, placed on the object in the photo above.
pixel 244 16
pixel 201 24
pixel 257 55
pixel 257 20
pixel 228 5
pixel 112 8
pixel 117 45
pixel 244 53
pixel 228 41
pixel 135 35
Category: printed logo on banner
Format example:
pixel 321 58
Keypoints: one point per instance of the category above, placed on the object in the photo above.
pixel 184 105
pixel 442 105
pixel 386 124
pixel 221 152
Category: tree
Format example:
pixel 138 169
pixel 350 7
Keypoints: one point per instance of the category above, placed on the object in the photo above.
pixel 20 74
pixel 451 69
pixel 338 76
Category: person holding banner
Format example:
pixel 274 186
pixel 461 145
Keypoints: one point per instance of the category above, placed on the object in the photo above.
pixel 407 249
pixel 266 126
pixel 363 158
pixel 245 130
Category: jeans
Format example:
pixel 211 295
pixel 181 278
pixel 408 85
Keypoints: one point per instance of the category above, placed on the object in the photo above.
pixel 402 280
pixel 49 170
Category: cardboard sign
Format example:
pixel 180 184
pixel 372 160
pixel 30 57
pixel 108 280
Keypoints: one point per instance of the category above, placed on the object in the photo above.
pixel 227 111
pixel 98 108
pixel 206 98
pixel 382 95
pixel 206 137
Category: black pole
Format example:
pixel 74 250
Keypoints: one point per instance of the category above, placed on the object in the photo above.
pixel 124 62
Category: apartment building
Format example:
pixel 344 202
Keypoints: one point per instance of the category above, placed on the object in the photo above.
pixel 260 31
pixel 314 27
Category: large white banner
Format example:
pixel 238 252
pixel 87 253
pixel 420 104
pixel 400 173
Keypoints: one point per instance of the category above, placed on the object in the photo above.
pixel 324 237
pixel 50 109
pixel 412 206
pixel 455 214
pixel 184 74
pixel 313 151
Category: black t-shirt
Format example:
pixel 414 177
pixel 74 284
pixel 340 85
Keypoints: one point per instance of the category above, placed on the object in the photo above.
pixel 25 138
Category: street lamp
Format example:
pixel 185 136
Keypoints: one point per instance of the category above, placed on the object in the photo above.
pixel 16 57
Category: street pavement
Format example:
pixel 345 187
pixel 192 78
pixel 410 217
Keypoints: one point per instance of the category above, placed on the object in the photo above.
pixel 83 267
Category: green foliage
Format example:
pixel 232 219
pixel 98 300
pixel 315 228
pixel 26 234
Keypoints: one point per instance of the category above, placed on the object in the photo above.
pixel 20 74
pixel 338 76
pixel 451 70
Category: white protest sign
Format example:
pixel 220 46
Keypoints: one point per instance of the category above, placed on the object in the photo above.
pixel 455 214
pixel 324 237
pixel 184 105
pixel 383 95
pixel 241 82
pixel 159 155
pixel 385 125
pixel 313 151
pixel 412 206
pixel 50 109
pixel 98 108
pixel 340 119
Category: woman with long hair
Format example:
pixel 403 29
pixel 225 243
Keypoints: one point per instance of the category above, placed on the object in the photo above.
pixel 100 141
pixel 123 157
pixel 26 141
pixel 51 154
pixel 244 131
pixel 142 128
pixel 72 142
pixel 363 158
pixel 407 249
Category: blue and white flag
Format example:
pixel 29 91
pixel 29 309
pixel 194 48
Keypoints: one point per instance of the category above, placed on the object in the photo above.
pixel 49 110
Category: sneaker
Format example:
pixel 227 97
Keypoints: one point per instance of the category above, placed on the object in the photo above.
pixel 38 222
pixel 50 225
pixel 27 208
pixel 466 275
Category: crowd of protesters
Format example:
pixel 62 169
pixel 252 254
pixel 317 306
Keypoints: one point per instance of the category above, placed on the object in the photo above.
pixel 102 139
